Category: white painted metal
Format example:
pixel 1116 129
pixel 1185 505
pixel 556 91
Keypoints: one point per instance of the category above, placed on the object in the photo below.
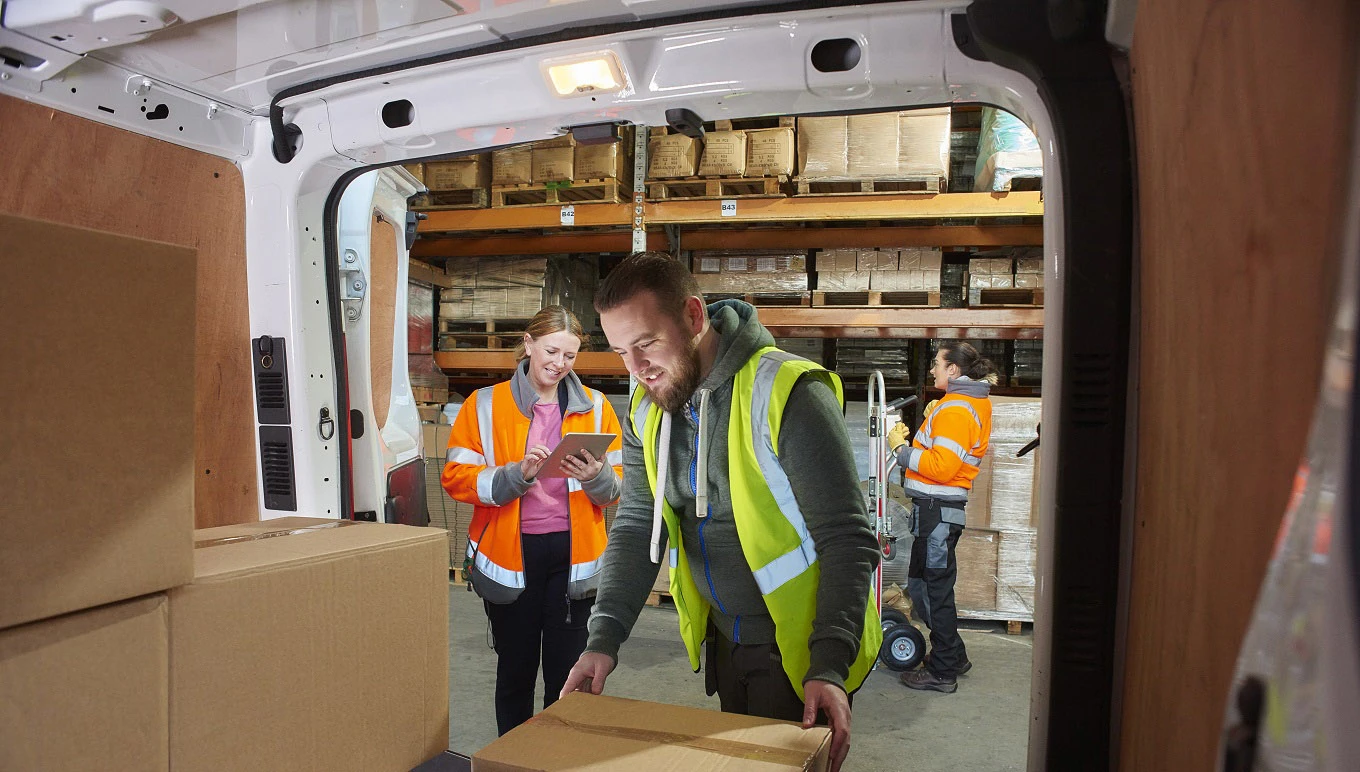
pixel 1119 18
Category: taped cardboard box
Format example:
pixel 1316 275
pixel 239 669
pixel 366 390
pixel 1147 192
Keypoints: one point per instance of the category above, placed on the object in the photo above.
pixel 121 524
pixel 724 154
pixel 609 734
pixel 554 161
pixel 822 147
pixel 468 173
pixel 770 152
pixel 609 161
pixel 88 690
pixel 872 145
pixel 672 155
pixel 513 165
pixel 290 623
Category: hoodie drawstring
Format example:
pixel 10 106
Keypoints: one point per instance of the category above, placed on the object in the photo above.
pixel 701 447
pixel 663 462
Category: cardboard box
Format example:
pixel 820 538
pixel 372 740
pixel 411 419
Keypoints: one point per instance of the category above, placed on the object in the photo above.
pixel 435 439
pixel 843 281
pixel 977 553
pixel 428 413
pixel 601 162
pixel 923 142
pixel 308 644
pixel 609 734
pixel 99 499
pixel 512 166
pixel 897 281
pixel 872 145
pixel 87 690
pixel 672 155
pixel 554 162
pixel 707 265
pixel 416 170
pixel 724 154
pixel 460 174
pixel 736 264
pixel 770 152
pixel 822 149
pixel 876 260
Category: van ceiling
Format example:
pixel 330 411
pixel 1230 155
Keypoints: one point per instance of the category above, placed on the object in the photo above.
pixel 242 52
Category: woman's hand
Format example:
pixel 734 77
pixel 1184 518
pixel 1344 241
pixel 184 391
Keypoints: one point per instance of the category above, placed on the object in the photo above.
pixel 584 467
pixel 897 436
pixel 533 461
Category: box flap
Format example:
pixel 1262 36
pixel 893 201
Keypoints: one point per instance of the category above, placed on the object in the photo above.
pixel 233 550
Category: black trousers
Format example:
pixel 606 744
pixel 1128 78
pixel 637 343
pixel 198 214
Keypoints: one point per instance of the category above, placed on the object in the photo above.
pixel 931 575
pixel 536 627
pixel 750 679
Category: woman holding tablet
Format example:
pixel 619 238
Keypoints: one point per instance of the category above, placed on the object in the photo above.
pixel 535 542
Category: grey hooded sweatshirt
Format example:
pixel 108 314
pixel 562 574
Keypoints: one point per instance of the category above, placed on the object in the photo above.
pixel 814 450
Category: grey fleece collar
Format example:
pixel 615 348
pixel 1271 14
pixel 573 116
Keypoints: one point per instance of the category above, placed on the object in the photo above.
pixel 740 336
pixel 969 387
pixel 525 396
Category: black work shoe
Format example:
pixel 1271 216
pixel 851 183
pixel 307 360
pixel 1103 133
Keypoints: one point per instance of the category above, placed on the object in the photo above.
pixel 963 670
pixel 924 680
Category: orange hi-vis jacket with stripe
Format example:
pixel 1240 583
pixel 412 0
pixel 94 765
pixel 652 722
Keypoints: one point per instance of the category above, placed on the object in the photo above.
pixel 943 458
pixel 487 443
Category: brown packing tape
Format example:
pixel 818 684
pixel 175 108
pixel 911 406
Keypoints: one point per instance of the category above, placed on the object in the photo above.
pixel 738 750
pixel 271 534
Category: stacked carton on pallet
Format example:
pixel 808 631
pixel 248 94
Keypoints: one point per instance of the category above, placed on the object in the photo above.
pixel 910 147
pixel 750 272
pixel 488 288
pixel 908 269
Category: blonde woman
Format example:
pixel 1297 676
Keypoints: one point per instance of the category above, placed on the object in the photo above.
pixel 535 544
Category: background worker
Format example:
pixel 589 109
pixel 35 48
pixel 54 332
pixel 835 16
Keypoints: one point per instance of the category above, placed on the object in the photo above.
pixel 535 544
pixel 939 467
pixel 737 457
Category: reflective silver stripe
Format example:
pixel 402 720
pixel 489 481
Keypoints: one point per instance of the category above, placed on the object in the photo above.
pixel 486 423
pixel 465 456
pixel 675 557
pixel 599 411
pixel 790 565
pixel 951 446
pixel 484 479
pixel 573 485
pixel 914 459
pixel 969 458
pixel 614 457
pixel 583 571
pixel 640 415
pixel 766 456
pixel 502 576
pixel 935 491
pixel 944 405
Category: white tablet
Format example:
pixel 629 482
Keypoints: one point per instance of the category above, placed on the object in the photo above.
pixel 571 445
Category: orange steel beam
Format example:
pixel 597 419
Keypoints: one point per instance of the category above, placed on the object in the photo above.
pixel 587 362
pixel 533 244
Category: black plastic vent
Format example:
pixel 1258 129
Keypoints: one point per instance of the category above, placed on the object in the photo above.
pixel 270 360
pixel 276 468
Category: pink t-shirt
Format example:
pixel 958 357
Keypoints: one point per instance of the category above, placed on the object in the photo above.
pixel 544 508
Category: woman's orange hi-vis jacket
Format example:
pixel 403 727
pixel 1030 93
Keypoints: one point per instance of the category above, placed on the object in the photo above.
pixel 487 443
pixel 943 458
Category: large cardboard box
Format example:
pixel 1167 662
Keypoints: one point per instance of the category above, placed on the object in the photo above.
pixel 459 174
pixel 435 439
pixel 977 551
pixel 87 690
pixel 554 161
pixel 724 154
pixel 306 644
pixel 872 144
pixel 608 734
pixel 822 147
pixel 672 155
pixel 96 419
pixel 612 160
pixel 770 152
pixel 513 165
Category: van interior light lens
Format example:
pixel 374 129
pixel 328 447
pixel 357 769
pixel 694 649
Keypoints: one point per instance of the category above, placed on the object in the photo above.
pixel 598 72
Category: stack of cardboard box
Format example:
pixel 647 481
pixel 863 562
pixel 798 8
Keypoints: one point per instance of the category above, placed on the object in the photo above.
pixel 738 272
pixel 891 270
pixel 518 287
pixel 127 639
pixel 989 273
pixel 912 144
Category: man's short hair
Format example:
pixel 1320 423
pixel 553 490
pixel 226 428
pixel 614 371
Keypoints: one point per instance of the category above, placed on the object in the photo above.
pixel 668 279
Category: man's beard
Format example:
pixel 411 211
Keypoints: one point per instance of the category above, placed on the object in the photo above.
pixel 685 379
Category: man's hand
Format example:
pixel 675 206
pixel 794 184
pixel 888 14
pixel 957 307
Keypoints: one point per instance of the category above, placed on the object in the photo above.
pixel 897 436
pixel 832 699
pixel 590 672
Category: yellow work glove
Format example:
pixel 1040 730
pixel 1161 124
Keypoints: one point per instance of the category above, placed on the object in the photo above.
pixel 897 436
pixel 930 406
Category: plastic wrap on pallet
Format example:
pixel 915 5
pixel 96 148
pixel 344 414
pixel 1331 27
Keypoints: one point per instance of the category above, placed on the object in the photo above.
pixel 419 319
pixel 747 261
pixel 844 259
pixel 462 271
pixel 1015 574
pixel 724 154
pixel 843 281
pixel 872 145
pixel 823 147
pixel 905 281
pixel 741 283
pixel 923 143
pixel 876 260
pixel 511 272
pixel 1012 484
pixel 975 590
pixel 1007 150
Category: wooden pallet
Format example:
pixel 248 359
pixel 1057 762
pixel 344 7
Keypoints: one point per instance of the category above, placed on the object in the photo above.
pixel 607 191
pixel 1009 298
pixel 657 598
pixel 847 186
pixel 877 299
pixel 699 188
pixel 442 200
pixel 479 341
pixel 483 326
pixel 764 299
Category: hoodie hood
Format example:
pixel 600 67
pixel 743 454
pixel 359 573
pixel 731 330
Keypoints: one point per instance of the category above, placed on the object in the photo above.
pixel 969 387
pixel 525 396
pixel 740 336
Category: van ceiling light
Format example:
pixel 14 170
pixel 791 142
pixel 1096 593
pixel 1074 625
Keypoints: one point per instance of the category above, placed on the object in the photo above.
pixel 585 74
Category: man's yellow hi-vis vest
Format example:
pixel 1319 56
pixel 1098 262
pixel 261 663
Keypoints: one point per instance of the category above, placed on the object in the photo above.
pixel 773 534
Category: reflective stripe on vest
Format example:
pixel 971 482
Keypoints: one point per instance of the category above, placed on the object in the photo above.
pixel 465 456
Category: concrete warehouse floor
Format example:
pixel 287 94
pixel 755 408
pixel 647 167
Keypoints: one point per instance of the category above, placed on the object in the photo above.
pixel 981 728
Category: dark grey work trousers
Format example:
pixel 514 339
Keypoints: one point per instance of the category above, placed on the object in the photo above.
pixel 930 583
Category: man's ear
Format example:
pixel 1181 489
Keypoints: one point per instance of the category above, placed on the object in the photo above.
pixel 696 314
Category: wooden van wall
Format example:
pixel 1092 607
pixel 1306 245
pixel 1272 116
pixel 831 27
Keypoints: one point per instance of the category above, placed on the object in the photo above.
pixel 65 169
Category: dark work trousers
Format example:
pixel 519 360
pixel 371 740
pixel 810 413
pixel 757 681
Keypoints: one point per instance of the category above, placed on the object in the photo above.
pixel 750 679
pixel 930 578
pixel 536 626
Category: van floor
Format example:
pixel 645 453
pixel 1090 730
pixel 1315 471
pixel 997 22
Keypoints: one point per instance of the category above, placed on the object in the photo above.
pixel 983 726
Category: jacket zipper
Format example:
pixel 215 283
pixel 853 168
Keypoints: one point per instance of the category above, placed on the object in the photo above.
pixel 703 545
